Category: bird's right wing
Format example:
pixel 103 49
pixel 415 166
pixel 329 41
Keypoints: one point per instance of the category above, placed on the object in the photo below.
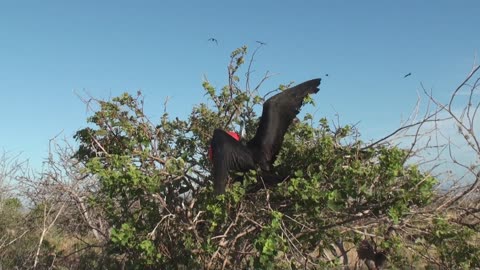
pixel 278 113
pixel 228 155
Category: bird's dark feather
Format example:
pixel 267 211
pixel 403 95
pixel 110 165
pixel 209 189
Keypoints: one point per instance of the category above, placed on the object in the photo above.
pixel 228 154
pixel 278 113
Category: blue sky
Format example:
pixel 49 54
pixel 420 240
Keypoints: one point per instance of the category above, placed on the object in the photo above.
pixel 51 49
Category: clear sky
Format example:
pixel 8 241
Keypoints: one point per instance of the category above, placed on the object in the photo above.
pixel 51 49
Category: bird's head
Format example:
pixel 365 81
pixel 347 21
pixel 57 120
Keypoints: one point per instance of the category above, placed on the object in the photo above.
pixel 233 134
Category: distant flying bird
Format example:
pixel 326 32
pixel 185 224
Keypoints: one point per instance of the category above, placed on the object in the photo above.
pixel 229 154
pixel 261 43
pixel 326 75
pixel 213 40
pixel 407 75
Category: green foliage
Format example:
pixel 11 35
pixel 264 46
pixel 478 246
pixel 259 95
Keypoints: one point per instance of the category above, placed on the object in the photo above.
pixel 345 178
pixel 11 213
pixel 270 243
pixel 457 245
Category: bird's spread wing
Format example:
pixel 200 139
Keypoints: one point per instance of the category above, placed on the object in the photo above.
pixel 228 155
pixel 278 113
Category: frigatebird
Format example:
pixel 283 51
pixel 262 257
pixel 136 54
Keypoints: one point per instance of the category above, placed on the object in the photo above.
pixel 229 154
pixel 213 40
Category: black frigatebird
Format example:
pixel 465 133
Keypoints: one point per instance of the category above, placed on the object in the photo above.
pixel 229 154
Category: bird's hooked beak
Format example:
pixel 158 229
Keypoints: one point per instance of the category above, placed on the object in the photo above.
pixel 242 129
